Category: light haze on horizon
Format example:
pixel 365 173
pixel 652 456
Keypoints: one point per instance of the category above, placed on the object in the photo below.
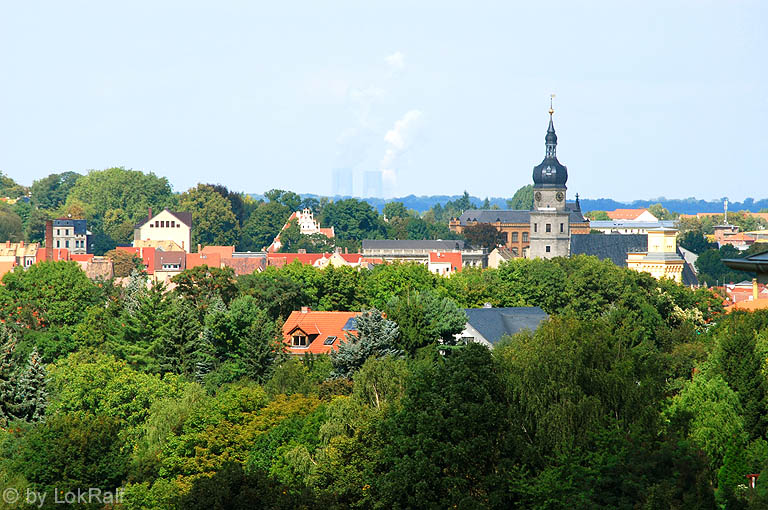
pixel 659 98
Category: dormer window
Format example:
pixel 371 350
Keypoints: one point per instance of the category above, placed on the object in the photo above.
pixel 299 339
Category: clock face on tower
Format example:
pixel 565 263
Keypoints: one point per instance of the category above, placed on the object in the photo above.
pixel 559 196
pixel 537 196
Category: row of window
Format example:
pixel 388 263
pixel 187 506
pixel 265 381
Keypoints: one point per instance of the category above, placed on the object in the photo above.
pixel 171 266
pixel 163 224
pixel 79 243
pixel 548 227
pixel 515 237
pixel 66 232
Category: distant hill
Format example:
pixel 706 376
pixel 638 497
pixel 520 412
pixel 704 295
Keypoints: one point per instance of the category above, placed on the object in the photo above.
pixel 682 206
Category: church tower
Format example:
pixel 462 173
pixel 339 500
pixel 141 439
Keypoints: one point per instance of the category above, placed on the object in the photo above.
pixel 550 226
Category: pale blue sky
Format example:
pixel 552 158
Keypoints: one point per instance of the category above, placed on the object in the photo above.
pixel 653 98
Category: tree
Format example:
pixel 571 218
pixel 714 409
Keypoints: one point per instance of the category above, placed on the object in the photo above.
pixel 522 199
pixel 202 284
pixel 275 292
pixel 128 193
pixel 374 336
pixel 694 241
pixel 662 213
pixel 10 225
pixel 288 199
pixel 236 201
pixel 263 225
pixel 51 192
pixel 56 293
pixel 394 210
pixel 125 263
pixel 424 319
pixel 353 219
pixel 31 394
pixel 8 375
pixel 212 216
pixel 597 215
pixel 10 188
pixel 483 235
pixel 453 409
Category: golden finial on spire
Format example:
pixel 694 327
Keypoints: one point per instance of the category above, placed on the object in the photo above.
pixel 551 108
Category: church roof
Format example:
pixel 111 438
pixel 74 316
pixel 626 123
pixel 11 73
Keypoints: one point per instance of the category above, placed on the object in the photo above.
pixel 550 173
pixel 511 215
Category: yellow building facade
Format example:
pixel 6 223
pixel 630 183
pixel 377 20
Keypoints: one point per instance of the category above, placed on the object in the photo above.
pixel 661 260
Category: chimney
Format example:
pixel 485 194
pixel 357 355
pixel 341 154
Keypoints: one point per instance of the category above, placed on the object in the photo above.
pixel 303 251
pixel 305 309
pixel 21 244
pixel 199 247
pixel 346 250
pixel 755 290
pixel 150 214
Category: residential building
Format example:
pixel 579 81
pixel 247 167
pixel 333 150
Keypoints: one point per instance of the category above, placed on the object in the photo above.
pixel 19 254
pixel 168 264
pixel 661 259
pixel 166 226
pixel 489 325
pixel 444 263
pixel 165 245
pixel 624 215
pixel 306 331
pixel 392 250
pixel 498 256
pixel 147 256
pixel 629 226
pixel 71 234
pixel 747 290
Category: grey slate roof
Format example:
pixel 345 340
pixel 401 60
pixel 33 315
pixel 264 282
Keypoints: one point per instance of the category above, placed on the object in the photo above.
pixel 613 247
pixel 511 215
pixel 757 262
pixel 394 244
pixel 494 323
pixel 79 226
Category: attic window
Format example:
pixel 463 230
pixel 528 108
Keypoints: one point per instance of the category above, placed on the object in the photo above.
pixel 299 340
pixel 329 340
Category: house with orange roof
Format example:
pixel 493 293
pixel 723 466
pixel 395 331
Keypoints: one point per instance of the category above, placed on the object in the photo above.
pixel 444 263
pixel 307 331
pixel 147 256
pixel 631 215
pixel 57 254
pixel 203 259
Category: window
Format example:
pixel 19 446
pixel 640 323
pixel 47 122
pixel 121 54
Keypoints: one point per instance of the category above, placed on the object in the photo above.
pixel 299 340
pixel 173 224
pixel 562 226
pixel 525 237
pixel 58 232
pixel 151 225
pixel 547 249
pixel 504 237
pixel 66 243
pixel 514 237
pixel 329 340
pixel 549 227
pixel 58 244
pixel 535 227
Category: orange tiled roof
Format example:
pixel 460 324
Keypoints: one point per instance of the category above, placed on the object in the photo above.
pixel 244 265
pixel 318 326
pixel 203 259
pixel 281 259
pixel 760 304
pixel 58 254
pixel 147 256
pixel 81 257
pixel 625 214
pixel 222 251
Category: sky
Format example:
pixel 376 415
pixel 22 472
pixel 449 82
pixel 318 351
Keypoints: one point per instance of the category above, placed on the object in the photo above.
pixel 654 98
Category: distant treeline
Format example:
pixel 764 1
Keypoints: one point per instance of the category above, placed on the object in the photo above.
pixel 682 206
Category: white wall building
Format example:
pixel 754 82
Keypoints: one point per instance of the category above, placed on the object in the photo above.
pixel 166 226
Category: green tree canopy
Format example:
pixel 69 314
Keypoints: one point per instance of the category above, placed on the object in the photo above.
pixel 213 222
pixel 51 192
pixel 522 199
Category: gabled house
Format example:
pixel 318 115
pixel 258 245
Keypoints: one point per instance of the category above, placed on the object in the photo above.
pixel 166 226
pixel 308 331
pixel 488 325
pixel 444 263
pixel 632 215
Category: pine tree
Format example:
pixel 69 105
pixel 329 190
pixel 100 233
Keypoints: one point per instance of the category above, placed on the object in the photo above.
pixel 7 374
pixel 31 396
pixel 375 336
pixel 134 291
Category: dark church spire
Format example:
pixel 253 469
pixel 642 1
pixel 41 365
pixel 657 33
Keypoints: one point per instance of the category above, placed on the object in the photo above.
pixel 550 173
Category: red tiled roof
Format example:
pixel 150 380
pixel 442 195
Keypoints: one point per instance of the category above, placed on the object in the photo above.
pixel 320 326
pixel 244 265
pixel 58 254
pixel 81 257
pixel 625 214
pixel 327 232
pixel 281 259
pixel 203 259
pixel 222 251
pixel 453 258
